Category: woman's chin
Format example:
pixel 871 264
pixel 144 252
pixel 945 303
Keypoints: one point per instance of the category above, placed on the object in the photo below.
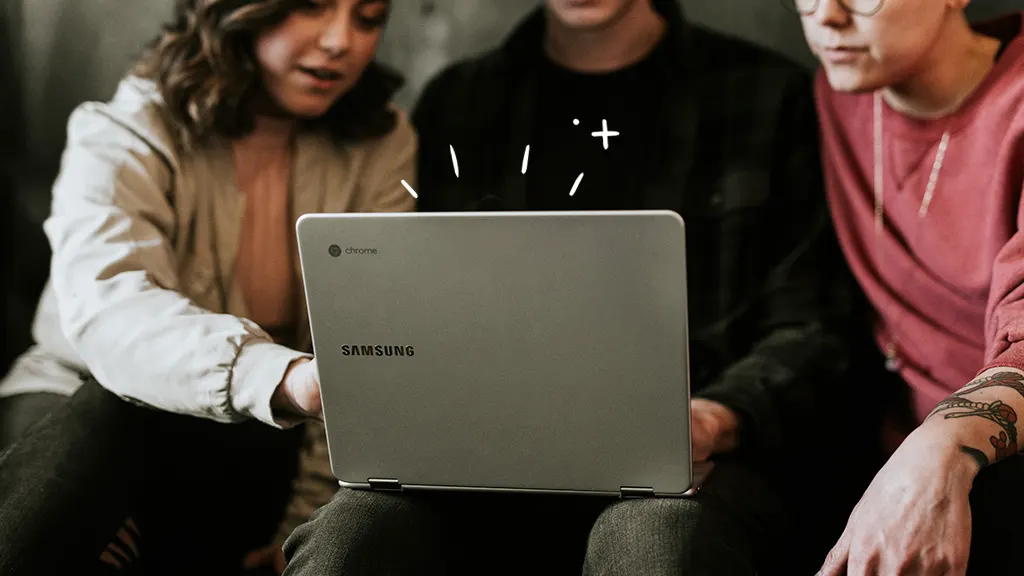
pixel 309 111
pixel 842 80
pixel 307 107
pixel 852 80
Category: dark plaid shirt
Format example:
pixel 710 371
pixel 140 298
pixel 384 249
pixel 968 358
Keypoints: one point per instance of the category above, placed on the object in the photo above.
pixel 736 155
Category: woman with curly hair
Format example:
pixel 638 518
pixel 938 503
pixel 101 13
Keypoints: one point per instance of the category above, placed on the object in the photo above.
pixel 175 300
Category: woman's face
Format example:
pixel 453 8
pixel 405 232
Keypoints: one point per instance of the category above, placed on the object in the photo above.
pixel 317 54
pixel 860 53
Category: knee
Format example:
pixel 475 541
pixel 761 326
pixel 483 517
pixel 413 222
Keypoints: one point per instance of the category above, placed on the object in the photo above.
pixel 633 517
pixel 362 532
pixel 353 515
pixel 642 537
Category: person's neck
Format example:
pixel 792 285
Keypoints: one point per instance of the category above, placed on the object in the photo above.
pixel 949 74
pixel 621 43
pixel 270 133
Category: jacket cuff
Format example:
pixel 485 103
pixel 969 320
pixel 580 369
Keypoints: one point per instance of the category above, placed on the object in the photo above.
pixel 758 430
pixel 259 370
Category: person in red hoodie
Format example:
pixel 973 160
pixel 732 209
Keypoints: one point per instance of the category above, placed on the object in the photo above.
pixel 922 119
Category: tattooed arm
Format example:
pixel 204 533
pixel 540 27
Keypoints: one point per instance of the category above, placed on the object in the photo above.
pixel 982 416
pixel 920 500
pixel 916 513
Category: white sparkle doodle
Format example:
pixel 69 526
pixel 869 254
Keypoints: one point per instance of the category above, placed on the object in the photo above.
pixel 409 188
pixel 604 134
pixel 455 161
pixel 576 184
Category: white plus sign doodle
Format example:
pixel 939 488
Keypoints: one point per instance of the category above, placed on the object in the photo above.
pixel 604 134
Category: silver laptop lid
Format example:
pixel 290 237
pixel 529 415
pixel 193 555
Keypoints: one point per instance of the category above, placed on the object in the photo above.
pixel 502 350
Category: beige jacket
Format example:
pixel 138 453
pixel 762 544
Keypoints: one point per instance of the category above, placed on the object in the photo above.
pixel 144 237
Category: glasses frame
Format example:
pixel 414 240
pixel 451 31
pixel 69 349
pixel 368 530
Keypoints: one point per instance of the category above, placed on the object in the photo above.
pixel 792 7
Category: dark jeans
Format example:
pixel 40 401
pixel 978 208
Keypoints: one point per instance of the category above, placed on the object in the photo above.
pixel 201 493
pixel 736 525
pixel 996 508
pixel 19 413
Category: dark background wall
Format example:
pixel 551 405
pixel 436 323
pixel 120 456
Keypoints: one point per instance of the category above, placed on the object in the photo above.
pixel 10 123
pixel 72 50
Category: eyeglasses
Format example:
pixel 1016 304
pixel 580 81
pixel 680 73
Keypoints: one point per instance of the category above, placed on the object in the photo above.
pixel 858 7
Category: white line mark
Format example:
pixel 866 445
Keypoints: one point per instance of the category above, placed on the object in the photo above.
pixel 576 184
pixel 409 188
pixel 526 158
pixel 455 161
pixel 604 133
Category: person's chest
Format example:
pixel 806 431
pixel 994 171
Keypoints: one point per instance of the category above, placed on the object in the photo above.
pixel 230 240
pixel 946 211
pixel 590 137
pixel 267 251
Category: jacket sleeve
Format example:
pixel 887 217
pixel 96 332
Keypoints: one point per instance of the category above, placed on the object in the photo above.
pixel 390 161
pixel 118 291
pixel 804 306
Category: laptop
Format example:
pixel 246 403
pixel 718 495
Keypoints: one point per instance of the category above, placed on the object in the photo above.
pixel 503 351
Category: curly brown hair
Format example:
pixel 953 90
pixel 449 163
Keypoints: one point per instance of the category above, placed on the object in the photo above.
pixel 205 68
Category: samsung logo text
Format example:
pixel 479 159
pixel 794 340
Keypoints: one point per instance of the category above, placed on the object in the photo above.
pixel 377 350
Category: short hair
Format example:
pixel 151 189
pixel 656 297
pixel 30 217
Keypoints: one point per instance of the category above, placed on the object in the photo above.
pixel 205 68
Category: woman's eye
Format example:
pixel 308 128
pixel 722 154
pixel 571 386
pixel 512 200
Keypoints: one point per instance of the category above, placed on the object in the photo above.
pixel 372 14
pixel 312 5
pixel 371 22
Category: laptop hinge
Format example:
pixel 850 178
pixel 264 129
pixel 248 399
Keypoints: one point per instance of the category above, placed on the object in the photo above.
pixel 635 492
pixel 388 484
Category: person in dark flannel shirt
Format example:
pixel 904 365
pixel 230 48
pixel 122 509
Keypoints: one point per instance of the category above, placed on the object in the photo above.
pixel 721 132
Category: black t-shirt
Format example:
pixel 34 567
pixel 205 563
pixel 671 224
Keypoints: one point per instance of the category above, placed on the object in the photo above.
pixel 570 107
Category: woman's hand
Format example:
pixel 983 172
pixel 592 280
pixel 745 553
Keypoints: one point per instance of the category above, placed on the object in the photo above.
pixel 298 395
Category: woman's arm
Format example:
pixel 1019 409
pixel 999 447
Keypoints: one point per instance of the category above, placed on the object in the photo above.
pixel 118 292
pixel 981 420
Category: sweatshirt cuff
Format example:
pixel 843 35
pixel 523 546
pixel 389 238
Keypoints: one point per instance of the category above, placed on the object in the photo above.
pixel 1011 357
pixel 258 372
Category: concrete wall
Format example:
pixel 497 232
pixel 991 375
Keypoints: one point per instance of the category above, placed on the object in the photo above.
pixel 73 50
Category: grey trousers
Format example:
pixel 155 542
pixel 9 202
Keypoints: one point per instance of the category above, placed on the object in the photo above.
pixel 734 526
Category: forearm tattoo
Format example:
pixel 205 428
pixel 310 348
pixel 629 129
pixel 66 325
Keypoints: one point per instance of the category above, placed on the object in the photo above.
pixel 979 457
pixel 957 406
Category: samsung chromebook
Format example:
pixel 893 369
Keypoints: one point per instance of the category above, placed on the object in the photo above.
pixel 503 351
